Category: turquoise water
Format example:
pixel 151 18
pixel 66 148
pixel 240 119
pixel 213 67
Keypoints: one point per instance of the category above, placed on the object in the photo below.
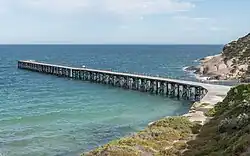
pixel 47 115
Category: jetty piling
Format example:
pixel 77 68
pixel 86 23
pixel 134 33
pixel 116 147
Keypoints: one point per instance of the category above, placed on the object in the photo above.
pixel 154 85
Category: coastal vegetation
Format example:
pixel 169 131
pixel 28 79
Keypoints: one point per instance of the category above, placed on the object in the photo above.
pixel 167 136
pixel 227 133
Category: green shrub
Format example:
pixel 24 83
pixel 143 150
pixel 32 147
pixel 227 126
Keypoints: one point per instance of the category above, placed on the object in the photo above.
pixel 211 112
pixel 157 139
pixel 228 133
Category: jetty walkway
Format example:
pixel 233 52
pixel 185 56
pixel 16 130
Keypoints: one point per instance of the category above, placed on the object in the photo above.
pixel 187 90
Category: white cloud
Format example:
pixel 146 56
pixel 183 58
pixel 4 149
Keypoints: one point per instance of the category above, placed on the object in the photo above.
pixel 3 4
pixel 124 27
pixel 215 28
pixel 55 5
pixel 193 23
pixel 120 7
pixel 198 24
pixel 191 19
pixel 145 7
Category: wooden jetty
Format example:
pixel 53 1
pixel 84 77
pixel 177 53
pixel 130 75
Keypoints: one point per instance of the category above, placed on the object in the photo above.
pixel 155 85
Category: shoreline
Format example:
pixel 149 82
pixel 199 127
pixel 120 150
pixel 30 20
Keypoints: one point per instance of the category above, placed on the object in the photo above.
pixel 215 94
pixel 207 79
pixel 194 68
pixel 195 118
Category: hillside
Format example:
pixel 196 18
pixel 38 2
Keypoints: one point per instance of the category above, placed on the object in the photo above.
pixel 232 63
pixel 227 133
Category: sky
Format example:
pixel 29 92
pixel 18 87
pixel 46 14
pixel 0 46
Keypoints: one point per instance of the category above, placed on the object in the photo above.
pixel 123 21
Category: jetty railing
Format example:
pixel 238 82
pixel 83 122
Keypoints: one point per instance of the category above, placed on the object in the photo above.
pixel 154 85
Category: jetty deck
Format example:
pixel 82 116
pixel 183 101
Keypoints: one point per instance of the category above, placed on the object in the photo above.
pixel 187 90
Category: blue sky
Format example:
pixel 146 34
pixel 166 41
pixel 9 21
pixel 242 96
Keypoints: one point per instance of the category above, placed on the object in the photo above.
pixel 123 21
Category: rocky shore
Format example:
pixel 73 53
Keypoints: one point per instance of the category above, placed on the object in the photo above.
pixel 232 64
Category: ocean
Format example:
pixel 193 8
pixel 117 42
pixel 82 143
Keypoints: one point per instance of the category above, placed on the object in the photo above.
pixel 46 115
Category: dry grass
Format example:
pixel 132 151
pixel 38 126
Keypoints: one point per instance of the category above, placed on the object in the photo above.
pixel 157 139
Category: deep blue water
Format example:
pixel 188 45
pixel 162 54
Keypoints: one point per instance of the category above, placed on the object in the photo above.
pixel 47 115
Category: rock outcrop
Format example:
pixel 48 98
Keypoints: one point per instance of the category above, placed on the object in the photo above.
pixel 232 63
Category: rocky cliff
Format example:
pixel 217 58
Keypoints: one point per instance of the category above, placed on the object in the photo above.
pixel 232 63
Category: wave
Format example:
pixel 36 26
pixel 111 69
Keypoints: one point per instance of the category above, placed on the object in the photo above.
pixel 185 68
pixel 202 78
pixel 190 69
pixel 197 60
pixel 197 76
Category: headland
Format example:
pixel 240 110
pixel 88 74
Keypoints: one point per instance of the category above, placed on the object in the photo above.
pixel 231 64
